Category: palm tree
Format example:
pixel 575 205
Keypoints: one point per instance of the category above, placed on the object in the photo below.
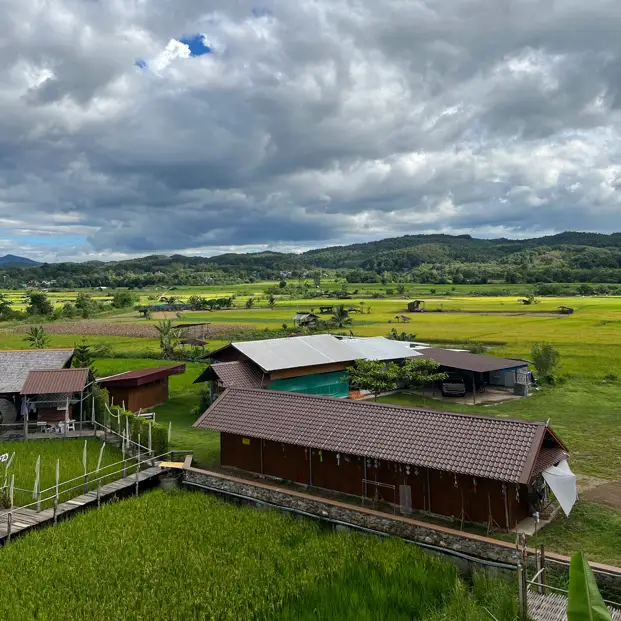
pixel 340 316
pixel 37 337
pixel 169 337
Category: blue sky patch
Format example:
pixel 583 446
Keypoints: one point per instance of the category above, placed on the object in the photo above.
pixel 197 44
pixel 141 64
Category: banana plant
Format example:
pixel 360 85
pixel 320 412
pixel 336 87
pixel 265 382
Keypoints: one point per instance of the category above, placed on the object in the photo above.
pixel 585 600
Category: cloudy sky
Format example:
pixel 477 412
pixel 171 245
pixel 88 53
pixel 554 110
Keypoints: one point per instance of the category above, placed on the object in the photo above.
pixel 132 127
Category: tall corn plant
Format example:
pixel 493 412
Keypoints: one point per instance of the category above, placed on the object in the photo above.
pixel 585 600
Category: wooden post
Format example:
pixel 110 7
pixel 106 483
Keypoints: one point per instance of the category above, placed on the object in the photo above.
pixel 505 493
pixel 169 432
pixel 474 391
pixel 85 464
pixel 138 465
pixel 123 449
pixel 9 523
pixel 93 417
pixel 37 483
pixel 542 566
pixel 25 409
pixel 150 445
pixel 81 409
pixel 522 593
pixel 56 494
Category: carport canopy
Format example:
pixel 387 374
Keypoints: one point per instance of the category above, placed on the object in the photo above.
pixel 475 363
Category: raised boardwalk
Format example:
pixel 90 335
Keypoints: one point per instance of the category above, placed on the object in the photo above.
pixel 553 607
pixel 26 519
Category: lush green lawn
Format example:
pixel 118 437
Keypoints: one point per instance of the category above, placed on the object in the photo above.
pixel 184 555
pixel 69 451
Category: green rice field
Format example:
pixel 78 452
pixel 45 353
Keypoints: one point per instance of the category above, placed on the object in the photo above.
pixel 68 450
pixel 184 555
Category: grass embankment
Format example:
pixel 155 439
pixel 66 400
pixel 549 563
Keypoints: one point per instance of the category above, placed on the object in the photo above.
pixel 200 558
pixel 69 451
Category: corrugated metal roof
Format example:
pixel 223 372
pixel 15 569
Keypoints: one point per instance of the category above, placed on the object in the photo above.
pixel 300 351
pixel 381 348
pixel 139 377
pixel 470 362
pixel 55 381
pixel 480 446
pixel 16 364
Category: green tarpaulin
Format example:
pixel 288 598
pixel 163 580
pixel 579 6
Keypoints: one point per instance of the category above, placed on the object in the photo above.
pixel 329 384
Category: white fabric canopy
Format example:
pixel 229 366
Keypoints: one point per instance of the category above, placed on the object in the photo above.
pixel 562 482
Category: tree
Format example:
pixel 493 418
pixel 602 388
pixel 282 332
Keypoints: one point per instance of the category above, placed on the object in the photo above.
pixel 282 284
pixel 404 336
pixel 340 316
pixel 423 371
pixel 37 338
pixel 374 375
pixel 249 302
pixel 169 337
pixel 401 289
pixel 83 357
pixel 546 359
pixel 585 601
pixel 317 279
pixel 124 299
pixel 85 304
pixel 6 310
pixel 271 301
pixel 39 304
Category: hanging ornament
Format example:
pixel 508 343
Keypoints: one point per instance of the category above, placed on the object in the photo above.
pixel 517 493
pixel 321 457
pixel 474 484
pixel 338 459
pixel 306 454
pixel 407 470
pixel 416 471
pixel 455 482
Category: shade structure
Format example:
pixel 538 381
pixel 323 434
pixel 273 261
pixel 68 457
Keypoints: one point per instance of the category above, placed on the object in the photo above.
pixel 562 482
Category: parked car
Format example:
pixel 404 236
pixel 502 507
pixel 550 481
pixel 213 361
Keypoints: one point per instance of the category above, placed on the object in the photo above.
pixel 454 386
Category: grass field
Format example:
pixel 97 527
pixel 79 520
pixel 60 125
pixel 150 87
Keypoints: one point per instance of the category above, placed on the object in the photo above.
pixel 199 558
pixel 584 410
pixel 69 451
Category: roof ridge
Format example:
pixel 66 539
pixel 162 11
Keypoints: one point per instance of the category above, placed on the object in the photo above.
pixel 389 405
pixel 2 351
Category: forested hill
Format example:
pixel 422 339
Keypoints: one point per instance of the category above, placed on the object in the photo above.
pixel 566 257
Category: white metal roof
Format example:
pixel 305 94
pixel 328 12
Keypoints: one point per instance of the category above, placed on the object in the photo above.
pixel 299 351
pixel 381 348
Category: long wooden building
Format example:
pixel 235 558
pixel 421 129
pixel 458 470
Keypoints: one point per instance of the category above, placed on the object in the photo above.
pixel 476 468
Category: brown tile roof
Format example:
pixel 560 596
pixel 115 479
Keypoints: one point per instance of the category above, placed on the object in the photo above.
pixel 548 457
pixel 470 362
pixel 55 381
pixel 242 374
pixel 142 376
pixel 480 446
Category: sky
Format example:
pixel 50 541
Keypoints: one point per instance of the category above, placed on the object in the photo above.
pixel 134 127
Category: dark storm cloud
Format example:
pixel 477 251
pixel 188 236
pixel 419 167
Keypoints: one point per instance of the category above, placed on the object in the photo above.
pixel 307 123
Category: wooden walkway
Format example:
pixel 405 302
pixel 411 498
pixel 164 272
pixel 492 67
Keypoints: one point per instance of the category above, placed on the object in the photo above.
pixel 553 607
pixel 25 519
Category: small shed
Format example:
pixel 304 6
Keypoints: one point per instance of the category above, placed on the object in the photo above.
pixel 305 319
pixel 52 394
pixel 142 388
pixel 416 306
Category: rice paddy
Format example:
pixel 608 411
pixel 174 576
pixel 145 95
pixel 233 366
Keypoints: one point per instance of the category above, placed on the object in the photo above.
pixel 69 451
pixel 184 555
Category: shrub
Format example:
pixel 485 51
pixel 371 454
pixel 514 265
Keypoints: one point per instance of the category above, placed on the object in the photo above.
pixel 546 359
pixel 611 376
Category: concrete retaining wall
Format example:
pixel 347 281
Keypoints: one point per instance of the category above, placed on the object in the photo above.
pixel 451 540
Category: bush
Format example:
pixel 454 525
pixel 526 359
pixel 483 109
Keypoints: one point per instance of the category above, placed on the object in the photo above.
pixel 139 429
pixel 611 376
pixel 546 359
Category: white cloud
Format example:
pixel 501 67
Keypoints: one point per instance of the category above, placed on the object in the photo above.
pixel 313 122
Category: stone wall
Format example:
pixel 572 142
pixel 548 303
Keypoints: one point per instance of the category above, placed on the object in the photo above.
pixel 423 533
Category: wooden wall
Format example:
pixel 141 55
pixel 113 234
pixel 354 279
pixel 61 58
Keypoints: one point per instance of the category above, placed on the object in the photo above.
pixel 433 491
pixel 140 397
